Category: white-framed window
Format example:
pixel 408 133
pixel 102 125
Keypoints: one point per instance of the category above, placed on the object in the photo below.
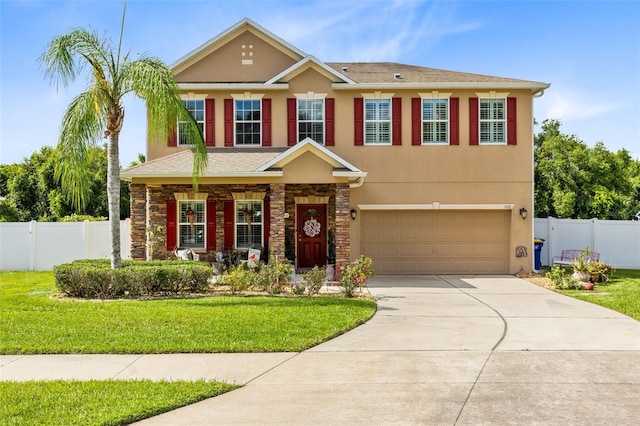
pixel 196 108
pixel 249 223
pixel 248 122
pixel 191 224
pixel 377 121
pixel 435 121
pixel 311 120
pixel 493 121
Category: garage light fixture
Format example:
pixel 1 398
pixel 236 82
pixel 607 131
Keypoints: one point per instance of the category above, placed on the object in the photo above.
pixel 523 213
pixel 353 213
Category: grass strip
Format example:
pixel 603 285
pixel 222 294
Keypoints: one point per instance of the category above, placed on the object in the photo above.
pixel 112 402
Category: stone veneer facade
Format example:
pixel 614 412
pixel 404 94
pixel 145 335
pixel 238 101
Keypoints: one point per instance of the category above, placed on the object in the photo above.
pixel 148 209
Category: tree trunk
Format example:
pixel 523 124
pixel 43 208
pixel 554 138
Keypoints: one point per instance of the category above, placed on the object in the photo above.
pixel 113 196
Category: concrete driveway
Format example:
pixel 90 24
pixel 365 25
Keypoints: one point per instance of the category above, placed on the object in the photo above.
pixel 450 350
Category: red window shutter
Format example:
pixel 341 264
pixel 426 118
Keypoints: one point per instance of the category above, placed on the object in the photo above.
pixel 292 122
pixel 228 122
pixel 454 121
pixel 396 121
pixel 173 137
pixel 473 121
pixel 511 122
pixel 266 122
pixel 209 125
pixel 358 121
pixel 416 121
pixel 172 224
pixel 329 122
pixel 266 224
pixel 211 225
pixel 229 224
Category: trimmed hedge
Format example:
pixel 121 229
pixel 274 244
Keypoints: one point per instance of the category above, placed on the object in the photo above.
pixel 95 279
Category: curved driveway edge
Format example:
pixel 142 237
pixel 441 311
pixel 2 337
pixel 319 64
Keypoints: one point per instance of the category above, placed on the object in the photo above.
pixel 451 350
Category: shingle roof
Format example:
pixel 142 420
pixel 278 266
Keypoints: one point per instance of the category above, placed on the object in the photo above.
pixel 220 161
pixel 384 72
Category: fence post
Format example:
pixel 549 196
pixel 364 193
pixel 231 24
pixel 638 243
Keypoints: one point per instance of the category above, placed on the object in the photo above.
pixel 552 239
pixel 592 235
pixel 33 239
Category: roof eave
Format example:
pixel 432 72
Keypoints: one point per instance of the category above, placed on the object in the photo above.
pixel 534 87
pixel 233 86
pixel 269 173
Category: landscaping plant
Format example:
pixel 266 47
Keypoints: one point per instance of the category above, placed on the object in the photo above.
pixel 355 275
pixel 314 280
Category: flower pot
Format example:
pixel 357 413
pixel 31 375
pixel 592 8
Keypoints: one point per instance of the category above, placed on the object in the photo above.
pixel 581 276
pixel 588 286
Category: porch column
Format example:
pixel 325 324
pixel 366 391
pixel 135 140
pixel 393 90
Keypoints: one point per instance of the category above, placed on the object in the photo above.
pixel 156 216
pixel 343 223
pixel 276 230
pixel 138 224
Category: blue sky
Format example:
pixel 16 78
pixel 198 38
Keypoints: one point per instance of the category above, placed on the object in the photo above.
pixel 588 50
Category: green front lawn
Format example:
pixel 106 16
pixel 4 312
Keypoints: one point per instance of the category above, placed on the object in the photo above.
pixel 621 293
pixel 32 321
pixel 97 402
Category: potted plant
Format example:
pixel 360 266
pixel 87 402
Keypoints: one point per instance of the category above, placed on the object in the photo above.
pixel 331 255
pixel 289 245
pixel 581 266
pixel 331 243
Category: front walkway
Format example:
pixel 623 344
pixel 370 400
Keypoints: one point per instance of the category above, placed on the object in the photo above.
pixel 440 350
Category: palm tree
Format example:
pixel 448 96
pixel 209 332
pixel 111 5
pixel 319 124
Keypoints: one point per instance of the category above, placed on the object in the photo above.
pixel 98 112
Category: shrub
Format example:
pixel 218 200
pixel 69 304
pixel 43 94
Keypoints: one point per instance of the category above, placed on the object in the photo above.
pixel 271 277
pixel 238 278
pixel 561 280
pixel 298 288
pixel 314 279
pixel 356 275
pixel 96 279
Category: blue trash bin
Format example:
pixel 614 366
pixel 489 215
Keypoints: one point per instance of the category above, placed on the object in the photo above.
pixel 537 246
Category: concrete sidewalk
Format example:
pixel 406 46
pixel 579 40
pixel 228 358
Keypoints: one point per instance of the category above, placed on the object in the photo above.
pixel 440 350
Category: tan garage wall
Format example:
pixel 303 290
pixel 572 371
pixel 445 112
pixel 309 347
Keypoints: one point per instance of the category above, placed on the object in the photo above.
pixel 443 242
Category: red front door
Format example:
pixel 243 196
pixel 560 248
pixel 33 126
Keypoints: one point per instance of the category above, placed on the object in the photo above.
pixel 312 235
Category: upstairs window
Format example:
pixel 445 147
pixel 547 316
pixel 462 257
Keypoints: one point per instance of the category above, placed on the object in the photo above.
pixel 196 108
pixel 191 224
pixel 248 124
pixel 435 121
pixel 377 121
pixel 249 222
pixel 311 120
pixel 493 121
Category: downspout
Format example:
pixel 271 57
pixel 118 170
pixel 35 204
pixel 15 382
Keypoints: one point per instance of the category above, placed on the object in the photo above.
pixel 358 183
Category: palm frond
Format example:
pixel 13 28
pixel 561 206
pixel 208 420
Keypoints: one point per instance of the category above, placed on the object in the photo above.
pixel 81 128
pixel 153 81
pixel 66 56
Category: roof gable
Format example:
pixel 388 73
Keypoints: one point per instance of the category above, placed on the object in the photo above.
pixel 250 31
pixel 308 145
pixel 310 62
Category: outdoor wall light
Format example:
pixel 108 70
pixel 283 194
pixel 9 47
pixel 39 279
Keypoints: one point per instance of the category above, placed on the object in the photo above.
pixel 353 213
pixel 523 213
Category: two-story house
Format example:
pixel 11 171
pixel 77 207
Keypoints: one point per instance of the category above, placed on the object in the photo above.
pixel 424 170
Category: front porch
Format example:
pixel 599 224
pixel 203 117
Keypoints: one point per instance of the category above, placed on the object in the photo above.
pixel 219 218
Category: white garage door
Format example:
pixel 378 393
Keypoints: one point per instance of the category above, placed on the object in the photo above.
pixel 443 242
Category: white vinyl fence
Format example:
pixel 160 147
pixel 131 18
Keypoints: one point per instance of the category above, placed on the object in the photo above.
pixel 38 246
pixel 617 241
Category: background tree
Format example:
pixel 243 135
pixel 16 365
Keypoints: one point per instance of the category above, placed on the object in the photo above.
pixel 99 111
pixel 31 192
pixel 575 181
